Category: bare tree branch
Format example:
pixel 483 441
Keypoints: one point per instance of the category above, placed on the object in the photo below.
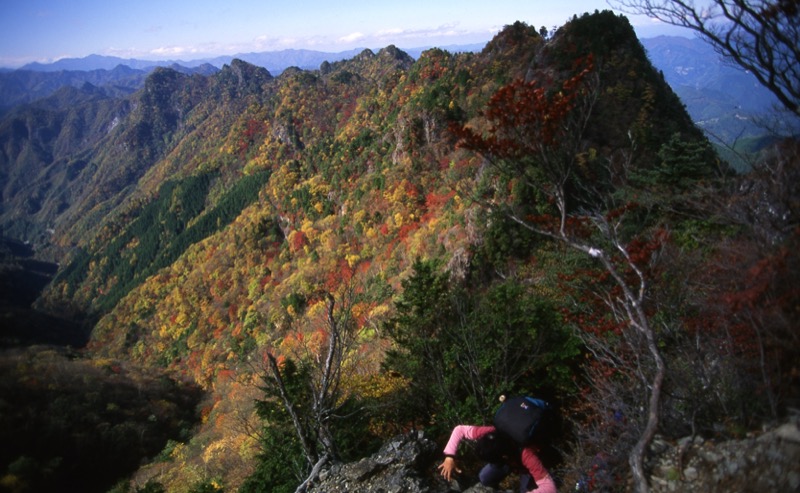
pixel 313 474
pixel 289 405
pixel 761 36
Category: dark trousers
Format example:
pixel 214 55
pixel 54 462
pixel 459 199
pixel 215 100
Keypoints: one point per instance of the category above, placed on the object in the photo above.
pixel 492 474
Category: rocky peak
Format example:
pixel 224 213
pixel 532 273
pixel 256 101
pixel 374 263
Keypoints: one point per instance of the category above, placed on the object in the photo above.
pixel 394 54
pixel 240 78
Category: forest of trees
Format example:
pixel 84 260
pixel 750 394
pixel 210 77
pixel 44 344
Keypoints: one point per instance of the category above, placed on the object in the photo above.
pixel 384 244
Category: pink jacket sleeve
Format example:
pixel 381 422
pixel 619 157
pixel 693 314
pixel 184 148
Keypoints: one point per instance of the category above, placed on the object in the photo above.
pixel 534 466
pixel 465 431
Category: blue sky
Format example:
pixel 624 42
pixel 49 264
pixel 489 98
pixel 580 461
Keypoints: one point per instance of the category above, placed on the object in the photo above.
pixel 47 30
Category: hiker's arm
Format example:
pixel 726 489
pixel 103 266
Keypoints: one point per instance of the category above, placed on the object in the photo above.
pixel 448 466
pixel 464 431
pixel 531 462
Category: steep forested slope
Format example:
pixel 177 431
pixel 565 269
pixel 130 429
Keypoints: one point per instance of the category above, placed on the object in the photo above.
pixel 214 225
pixel 45 149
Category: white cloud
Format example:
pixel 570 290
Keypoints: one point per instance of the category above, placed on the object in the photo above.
pixel 352 37
pixel 162 52
pixel 171 50
pixel 440 33
pixel 16 62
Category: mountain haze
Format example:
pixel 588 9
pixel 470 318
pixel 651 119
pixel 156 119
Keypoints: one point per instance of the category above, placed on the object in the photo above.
pixel 37 80
pixel 724 100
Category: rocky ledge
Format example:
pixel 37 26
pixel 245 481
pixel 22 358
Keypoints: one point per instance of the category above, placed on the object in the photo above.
pixel 766 461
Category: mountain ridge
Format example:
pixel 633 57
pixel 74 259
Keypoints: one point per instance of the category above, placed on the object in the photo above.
pixel 725 101
pixel 121 76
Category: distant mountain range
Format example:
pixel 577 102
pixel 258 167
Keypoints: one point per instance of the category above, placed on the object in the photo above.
pixel 26 86
pixel 271 60
pixel 119 76
pixel 274 61
pixel 723 99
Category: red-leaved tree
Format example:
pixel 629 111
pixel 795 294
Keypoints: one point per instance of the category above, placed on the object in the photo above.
pixel 536 168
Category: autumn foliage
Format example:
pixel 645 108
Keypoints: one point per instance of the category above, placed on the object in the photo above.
pixel 414 205
pixel 528 117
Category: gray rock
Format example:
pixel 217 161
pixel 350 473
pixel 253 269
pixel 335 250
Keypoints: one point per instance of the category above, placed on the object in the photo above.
pixel 768 461
pixel 690 474
pixel 405 464
pixel 402 465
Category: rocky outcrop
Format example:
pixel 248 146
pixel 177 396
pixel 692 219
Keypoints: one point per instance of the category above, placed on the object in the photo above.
pixel 768 461
pixel 399 466
pixel 405 464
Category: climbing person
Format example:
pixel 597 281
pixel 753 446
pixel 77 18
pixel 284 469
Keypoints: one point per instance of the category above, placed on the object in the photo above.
pixel 507 447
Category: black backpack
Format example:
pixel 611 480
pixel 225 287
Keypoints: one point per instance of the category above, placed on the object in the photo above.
pixel 524 419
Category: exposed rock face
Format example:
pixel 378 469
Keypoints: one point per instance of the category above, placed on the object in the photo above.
pixel 406 464
pixel 399 466
pixel 769 461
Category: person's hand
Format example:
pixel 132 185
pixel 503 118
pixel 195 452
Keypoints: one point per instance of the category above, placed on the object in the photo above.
pixel 447 467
